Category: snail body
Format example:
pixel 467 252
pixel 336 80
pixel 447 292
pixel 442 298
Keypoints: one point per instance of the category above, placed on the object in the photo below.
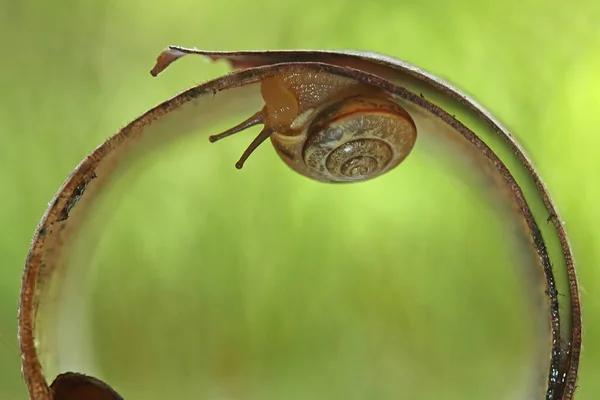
pixel 329 128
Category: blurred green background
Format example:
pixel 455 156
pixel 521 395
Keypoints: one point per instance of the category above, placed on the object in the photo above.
pixel 171 290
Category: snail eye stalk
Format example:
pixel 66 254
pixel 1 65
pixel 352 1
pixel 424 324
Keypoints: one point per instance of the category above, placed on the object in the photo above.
pixel 254 120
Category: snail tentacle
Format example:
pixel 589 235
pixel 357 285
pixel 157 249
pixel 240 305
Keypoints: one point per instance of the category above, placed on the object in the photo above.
pixel 254 120
pixel 262 136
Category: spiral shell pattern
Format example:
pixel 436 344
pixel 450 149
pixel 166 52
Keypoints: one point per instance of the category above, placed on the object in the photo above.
pixel 358 138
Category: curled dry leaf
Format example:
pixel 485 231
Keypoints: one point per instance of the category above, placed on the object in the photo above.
pixel 333 117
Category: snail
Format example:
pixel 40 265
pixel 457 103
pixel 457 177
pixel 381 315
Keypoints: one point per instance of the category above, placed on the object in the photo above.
pixel 330 129
pixel 332 117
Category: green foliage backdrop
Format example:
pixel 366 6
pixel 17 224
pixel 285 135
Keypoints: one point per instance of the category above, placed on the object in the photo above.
pixel 447 316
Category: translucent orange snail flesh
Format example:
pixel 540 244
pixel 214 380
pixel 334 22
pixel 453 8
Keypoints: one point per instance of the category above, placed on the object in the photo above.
pixel 332 117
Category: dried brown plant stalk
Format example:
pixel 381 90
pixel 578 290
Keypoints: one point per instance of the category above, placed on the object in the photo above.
pixel 307 128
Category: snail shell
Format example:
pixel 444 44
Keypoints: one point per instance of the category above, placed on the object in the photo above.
pixel 331 130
